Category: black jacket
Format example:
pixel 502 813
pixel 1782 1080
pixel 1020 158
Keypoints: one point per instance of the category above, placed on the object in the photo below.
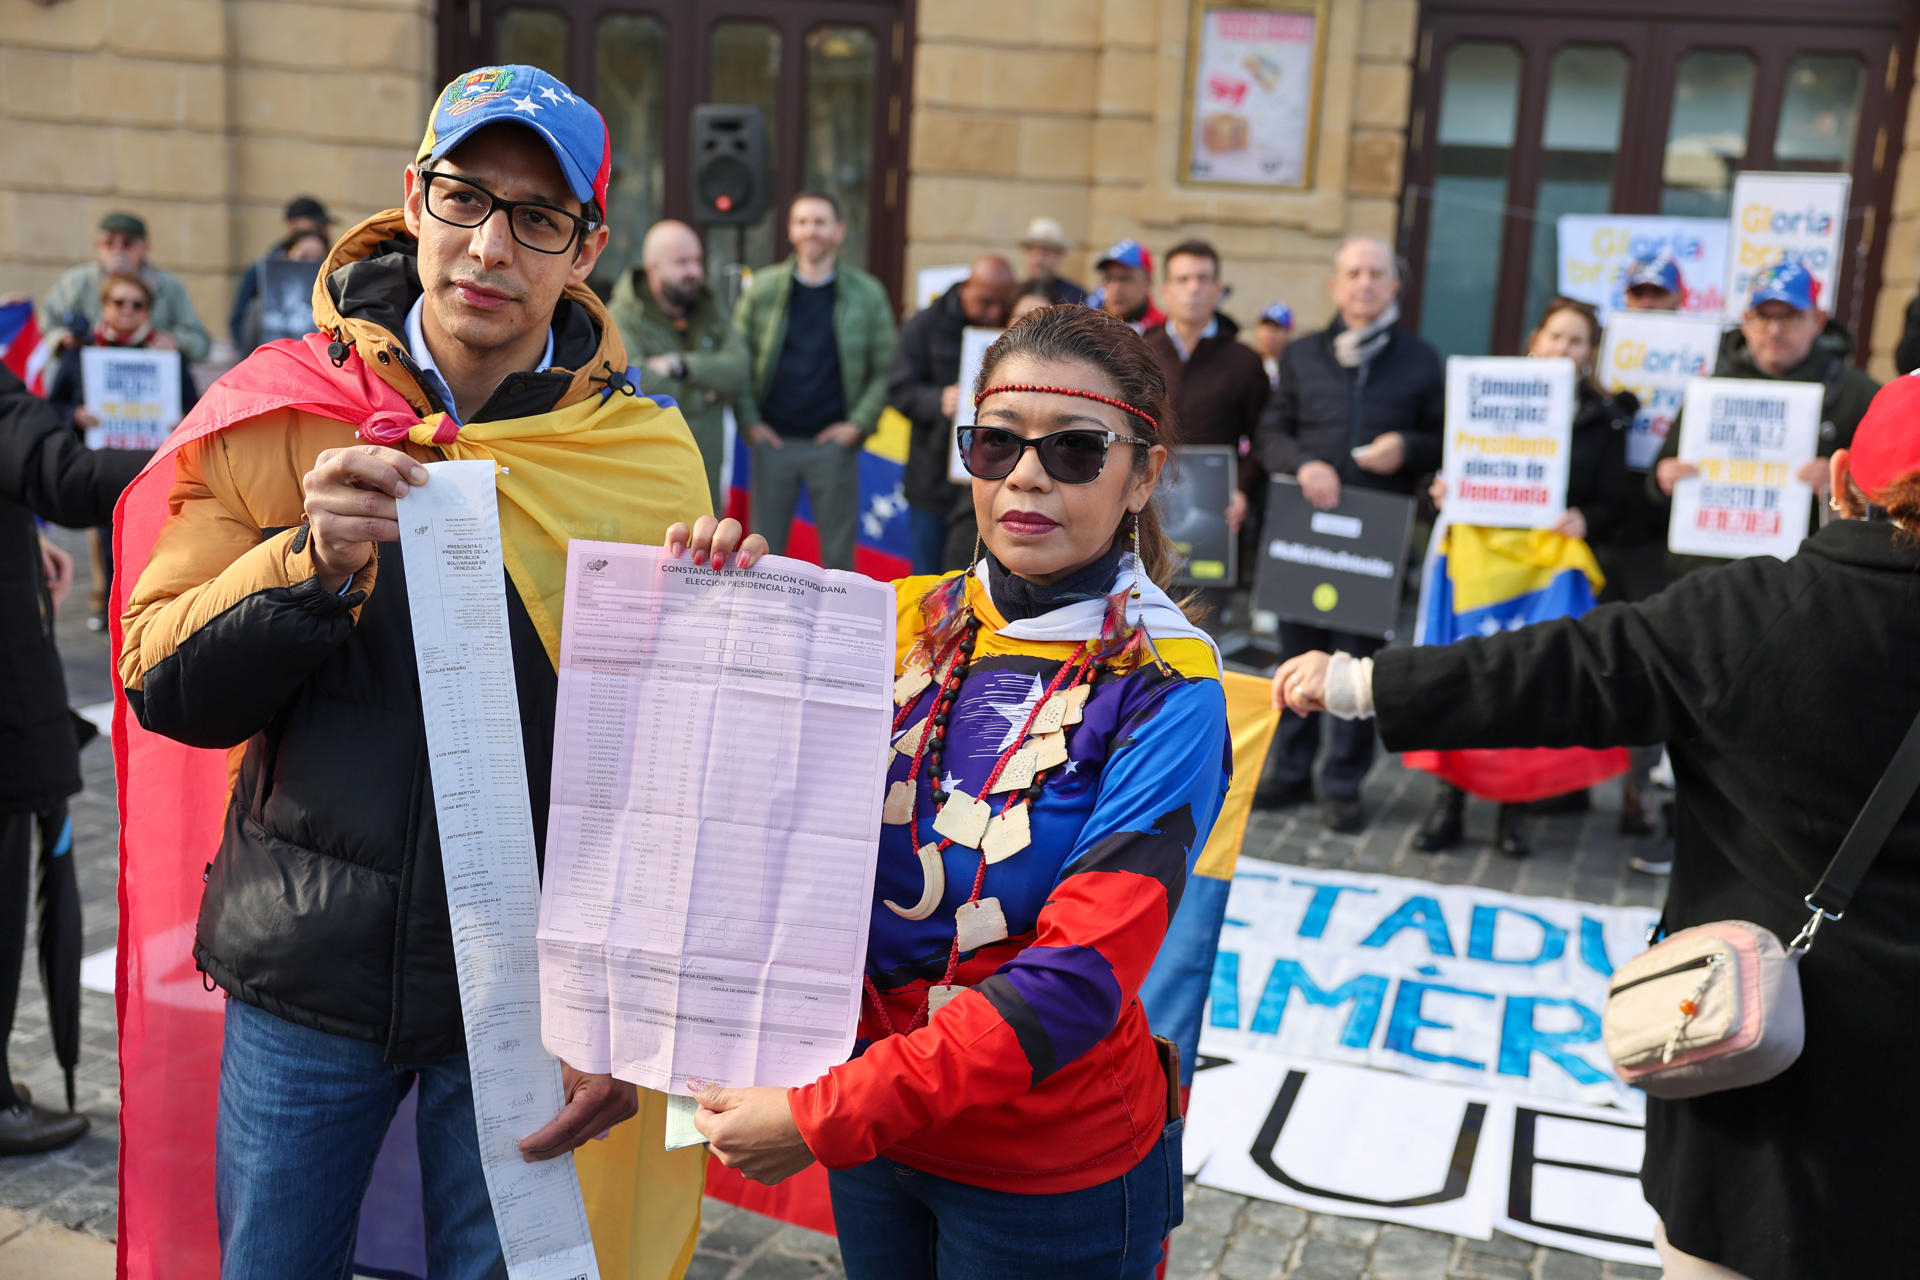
pixel 1217 392
pixel 1781 690
pixel 1321 411
pixel 44 471
pixel 1597 461
pixel 926 361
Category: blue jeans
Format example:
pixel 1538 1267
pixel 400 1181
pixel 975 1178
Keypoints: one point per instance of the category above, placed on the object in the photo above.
pixel 928 531
pixel 899 1223
pixel 302 1116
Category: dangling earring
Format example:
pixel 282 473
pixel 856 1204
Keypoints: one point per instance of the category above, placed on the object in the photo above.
pixel 1135 521
pixel 976 550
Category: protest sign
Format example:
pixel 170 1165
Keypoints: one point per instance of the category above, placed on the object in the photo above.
pixel 1595 250
pixel 134 392
pixel 286 298
pixel 1193 495
pixel 1786 215
pixel 973 353
pixel 1655 354
pixel 1509 428
pixel 1427 1054
pixel 929 283
pixel 1339 569
pixel 1747 436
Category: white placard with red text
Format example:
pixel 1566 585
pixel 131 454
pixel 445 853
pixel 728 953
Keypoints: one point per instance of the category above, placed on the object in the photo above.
pixel 1509 434
pixel 135 394
pixel 1748 436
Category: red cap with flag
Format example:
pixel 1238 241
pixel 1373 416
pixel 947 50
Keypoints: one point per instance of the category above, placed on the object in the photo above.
pixel 1886 444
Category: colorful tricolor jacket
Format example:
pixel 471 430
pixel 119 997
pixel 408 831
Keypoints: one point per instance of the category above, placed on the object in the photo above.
pixel 1042 1077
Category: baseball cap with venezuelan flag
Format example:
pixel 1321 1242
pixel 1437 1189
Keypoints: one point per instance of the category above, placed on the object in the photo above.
pixel 528 96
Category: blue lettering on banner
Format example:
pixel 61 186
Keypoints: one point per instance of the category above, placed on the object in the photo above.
pixel 1593 947
pixel 1520 1039
pixel 1223 990
pixel 1417 912
pixel 1368 993
pixel 1314 923
pixel 1408 1019
pixel 1486 923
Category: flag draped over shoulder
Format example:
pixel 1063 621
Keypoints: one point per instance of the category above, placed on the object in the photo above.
pixel 612 466
pixel 1480 582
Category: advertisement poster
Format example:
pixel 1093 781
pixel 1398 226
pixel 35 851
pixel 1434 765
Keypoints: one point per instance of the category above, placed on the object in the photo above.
pixel 1193 497
pixel 974 342
pixel 1655 354
pixel 134 392
pixel 1782 215
pixel 1252 85
pixel 1747 436
pixel 1340 569
pixel 1597 248
pixel 1509 427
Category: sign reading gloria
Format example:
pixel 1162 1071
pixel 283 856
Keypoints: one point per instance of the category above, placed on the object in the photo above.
pixel 1193 497
pixel 1509 424
pixel 1596 249
pixel 1339 569
pixel 1253 85
pixel 134 392
pixel 1786 215
pixel 1748 437
pixel 1655 355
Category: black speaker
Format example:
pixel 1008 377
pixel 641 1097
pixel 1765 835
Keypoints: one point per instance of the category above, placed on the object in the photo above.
pixel 729 165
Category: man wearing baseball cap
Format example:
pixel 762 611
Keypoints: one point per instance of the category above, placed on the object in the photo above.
pixel 269 619
pixel 72 306
pixel 1270 338
pixel 1783 335
pixel 1045 244
pixel 1126 286
pixel 1652 283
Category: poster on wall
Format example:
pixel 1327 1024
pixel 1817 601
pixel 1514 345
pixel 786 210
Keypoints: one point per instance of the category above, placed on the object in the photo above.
pixel 1786 215
pixel 1508 443
pixel 1748 437
pixel 1655 355
pixel 1252 84
pixel 1596 250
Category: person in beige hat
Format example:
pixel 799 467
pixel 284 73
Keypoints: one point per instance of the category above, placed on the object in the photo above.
pixel 1045 244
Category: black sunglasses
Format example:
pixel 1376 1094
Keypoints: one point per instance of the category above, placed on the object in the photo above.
pixel 461 202
pixel 1074 456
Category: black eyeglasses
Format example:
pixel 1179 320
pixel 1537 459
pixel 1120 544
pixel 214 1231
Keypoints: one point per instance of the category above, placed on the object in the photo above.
pixel 542 228
pixel 1074 456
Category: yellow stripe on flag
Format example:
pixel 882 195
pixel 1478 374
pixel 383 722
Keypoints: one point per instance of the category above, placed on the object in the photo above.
pixel 889 439
pixel 1251 719
pixel 1487 566
pixel 643 1201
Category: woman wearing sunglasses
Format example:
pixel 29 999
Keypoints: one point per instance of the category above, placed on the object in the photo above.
pixel 126 320
pixel 1060 753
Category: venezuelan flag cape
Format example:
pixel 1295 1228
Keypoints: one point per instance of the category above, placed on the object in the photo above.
pixel 643 1203
pixel 1480 582
pixel 883 547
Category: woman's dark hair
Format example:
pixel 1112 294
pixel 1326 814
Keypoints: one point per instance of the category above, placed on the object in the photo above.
pixel 1035 289
pixel 1559 303
pixel 1091 337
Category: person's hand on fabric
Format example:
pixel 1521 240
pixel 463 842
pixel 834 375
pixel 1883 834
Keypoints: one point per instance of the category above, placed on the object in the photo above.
pixel 1437 492
pixel 1572 523
pixel 1300 685
pixel 1672 471
pixel 950 401
pixel 752 1130
pixel 85 417
pixel 1320 483
pixel 842 433
pixel 1816 472
pixel 57 565
pixel 595 1104
pixel 715 539
pixel 761 433
pixel 662 366
pixel 1236 511
pixel 163 340
pixel 350 504
pixel 1383 457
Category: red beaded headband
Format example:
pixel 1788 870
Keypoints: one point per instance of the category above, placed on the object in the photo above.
pixel 1073 391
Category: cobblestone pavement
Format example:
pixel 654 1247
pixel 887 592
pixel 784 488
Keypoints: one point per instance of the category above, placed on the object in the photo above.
pixel 1226 1237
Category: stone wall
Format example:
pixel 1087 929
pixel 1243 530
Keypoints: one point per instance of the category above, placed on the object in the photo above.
pixel 203 117
pixel 1900 264
pixel 1073 109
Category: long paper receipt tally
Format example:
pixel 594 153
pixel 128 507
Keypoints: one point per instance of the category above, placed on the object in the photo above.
pixel 719 755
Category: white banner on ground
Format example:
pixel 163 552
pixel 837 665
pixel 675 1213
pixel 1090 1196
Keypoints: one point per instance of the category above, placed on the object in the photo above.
pixel 134 392
pixel 1596 249
pixel 1748 436
pixel 1655 354
pixel 1786 215
pixel 1509 424
pixel 1426 1054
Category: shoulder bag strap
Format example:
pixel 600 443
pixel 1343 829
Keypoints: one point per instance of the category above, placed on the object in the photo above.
pixel 1869 833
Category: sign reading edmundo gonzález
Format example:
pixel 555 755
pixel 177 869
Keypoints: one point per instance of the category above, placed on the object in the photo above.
pixel 1509 424
pixel 1338 569
pixel 1748 437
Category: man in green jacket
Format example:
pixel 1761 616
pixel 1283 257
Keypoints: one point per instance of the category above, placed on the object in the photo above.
pixel 676 328
pixel 120 245
pixel 1783 335
pixel 820 334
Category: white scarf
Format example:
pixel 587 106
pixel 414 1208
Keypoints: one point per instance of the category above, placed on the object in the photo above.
pixel 1147 606
pixel 1354 347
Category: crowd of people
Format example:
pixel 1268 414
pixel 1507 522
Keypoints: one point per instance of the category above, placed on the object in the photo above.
pixel 1032 1128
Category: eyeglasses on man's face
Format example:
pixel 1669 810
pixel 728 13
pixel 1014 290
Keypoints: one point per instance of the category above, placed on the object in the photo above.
pixel 461 202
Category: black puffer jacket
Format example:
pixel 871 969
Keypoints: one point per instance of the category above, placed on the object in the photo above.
pixel 44 471
pixel 1321 410
pixel 926 361
pixel 1597 464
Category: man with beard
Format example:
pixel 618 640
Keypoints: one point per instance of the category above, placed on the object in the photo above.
pixel 677 329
